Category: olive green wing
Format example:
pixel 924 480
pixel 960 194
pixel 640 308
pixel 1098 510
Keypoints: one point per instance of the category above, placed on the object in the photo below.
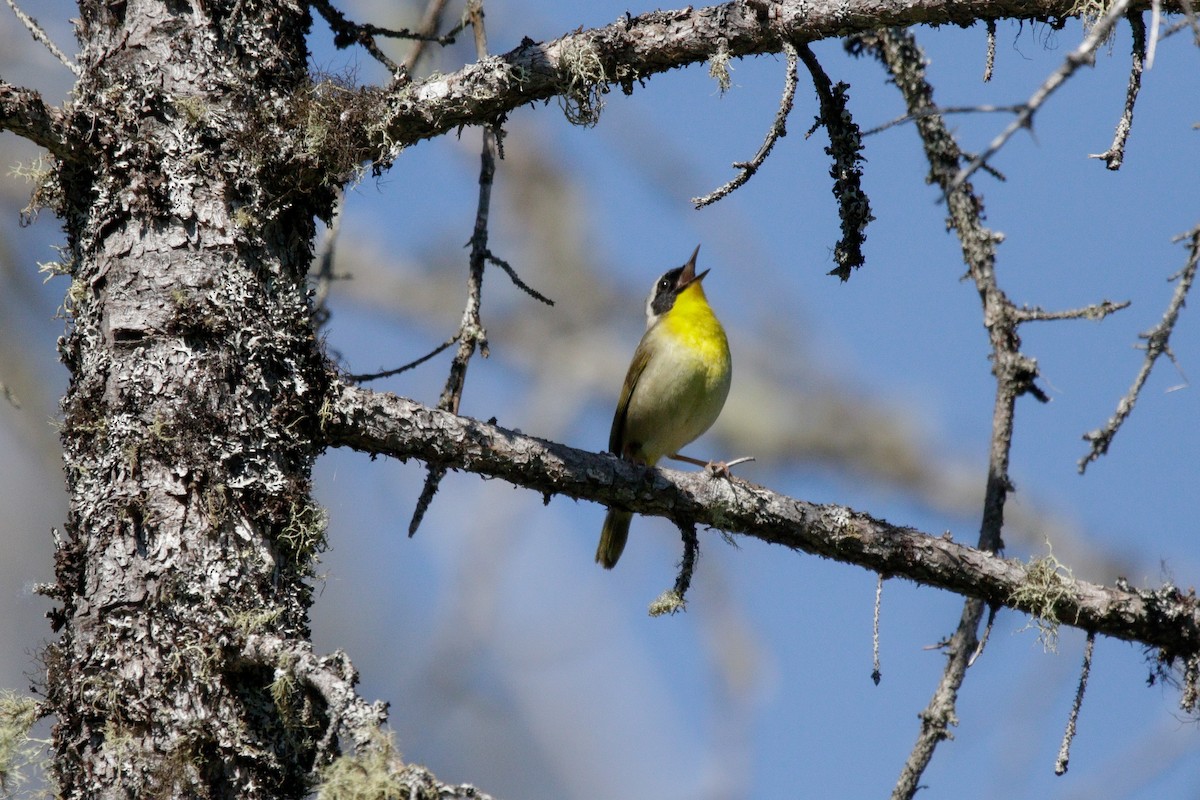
pixel 616 437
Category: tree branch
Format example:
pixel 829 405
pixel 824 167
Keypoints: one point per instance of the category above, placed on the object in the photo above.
pixel 23 112
pixel 634 48
pixel 40 35
pixel 1158 341
pixel 1082 55
pixel 383 424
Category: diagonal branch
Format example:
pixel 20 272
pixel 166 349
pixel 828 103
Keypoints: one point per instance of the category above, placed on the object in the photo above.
pixel 40 35
pixel 23 112
pixel 1082 55
pixel 1015 372
pixel 381 423
pixel 1157 343
pixel 471 332
pixel 631 50
pixel 777 131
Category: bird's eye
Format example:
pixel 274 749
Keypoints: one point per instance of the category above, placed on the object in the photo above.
pixel 664 284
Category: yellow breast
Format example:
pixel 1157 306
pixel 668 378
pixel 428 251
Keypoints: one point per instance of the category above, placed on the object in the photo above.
pixel 684 384
pixel 694 326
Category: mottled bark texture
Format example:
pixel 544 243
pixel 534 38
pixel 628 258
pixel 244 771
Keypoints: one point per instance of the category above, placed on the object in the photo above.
pixel 187 427
pixel 1167 619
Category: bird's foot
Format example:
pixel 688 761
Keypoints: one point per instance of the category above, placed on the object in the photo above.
pixel 718 469
pixel 721 469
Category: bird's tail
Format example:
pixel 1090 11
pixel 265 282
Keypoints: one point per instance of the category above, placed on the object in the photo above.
pixel 612 537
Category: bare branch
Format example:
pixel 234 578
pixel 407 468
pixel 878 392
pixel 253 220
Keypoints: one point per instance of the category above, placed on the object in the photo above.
pixel 1115 154
pixel 876 674
pixel 470 332
pixel 1080 56
pixel 347 33
pixel 1157 343
pixel 1097 311
pixel 381 423
pixel 1064 750
pixel 777 130
pixel 674 600
pixel 516 279
pixel 23 112
pixel 387 373
pixel 1015 373
pixel 990 62
pixel 40 35
pixel 845 146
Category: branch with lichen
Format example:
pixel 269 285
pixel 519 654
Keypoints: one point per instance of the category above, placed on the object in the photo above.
pixel 777 131
pixel 23 112
pixel 586 63
pixel 1015 375
pixel 845 148
pixel 1114 156
pixel 1167 619
pixel 356 756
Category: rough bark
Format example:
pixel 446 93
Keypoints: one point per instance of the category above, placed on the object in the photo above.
pixel 191 164
pixel 187 427
pixel 1167 618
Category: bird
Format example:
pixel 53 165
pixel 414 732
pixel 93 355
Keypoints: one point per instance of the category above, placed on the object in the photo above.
pixel 675 387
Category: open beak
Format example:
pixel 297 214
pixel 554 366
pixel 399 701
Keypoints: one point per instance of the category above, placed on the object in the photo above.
pixel 689 276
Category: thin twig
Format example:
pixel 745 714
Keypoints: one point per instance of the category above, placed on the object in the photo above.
pixel 347 33
pixel 9 395
pixel 1015 373
pixel 777 131
pixel 845 147
pixel 40 35
pixel 471 332
pixel 943 110
pixel 431 20
pixel 1155 26
pixel 516 279
pixel 674 600
pixel 373 376
pixel 990 61
pixel 1064 750
pixel 1115 154
pixel 1157 343
pixel 987 635
pixel 1079 57
pixel 1191 20
pixel 324 274
pixel 876 674
pixel 1097 311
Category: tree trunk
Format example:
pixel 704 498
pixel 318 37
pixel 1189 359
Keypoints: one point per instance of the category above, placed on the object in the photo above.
pixel 188 424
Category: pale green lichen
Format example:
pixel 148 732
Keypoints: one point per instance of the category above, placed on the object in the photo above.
pixel 373 774
pixel 582 83
pixel 1047 582
pixel 17 749
pixel 669 602
pixel 718 69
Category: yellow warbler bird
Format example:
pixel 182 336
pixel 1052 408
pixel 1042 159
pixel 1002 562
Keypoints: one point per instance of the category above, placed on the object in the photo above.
pixel 674 389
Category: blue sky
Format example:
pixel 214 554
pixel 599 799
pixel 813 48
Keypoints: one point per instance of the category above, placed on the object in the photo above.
pixel 513 662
